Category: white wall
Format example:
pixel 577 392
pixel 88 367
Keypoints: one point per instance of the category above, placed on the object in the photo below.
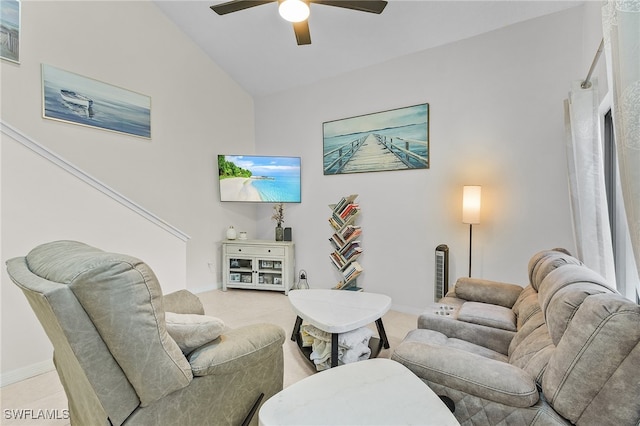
pixel 496 120
pixel 197 113
pixel 44 202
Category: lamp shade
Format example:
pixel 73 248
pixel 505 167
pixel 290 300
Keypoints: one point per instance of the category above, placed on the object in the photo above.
pixel 471 196
pixel 294 10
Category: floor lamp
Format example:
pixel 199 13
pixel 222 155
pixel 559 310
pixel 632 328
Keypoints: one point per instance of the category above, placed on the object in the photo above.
pixel 471 196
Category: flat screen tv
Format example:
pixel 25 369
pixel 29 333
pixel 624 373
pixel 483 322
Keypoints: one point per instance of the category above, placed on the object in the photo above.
pixel 259 178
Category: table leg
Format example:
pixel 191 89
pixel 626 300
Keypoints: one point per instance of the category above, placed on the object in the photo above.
pixel 296 329
pixel 334 350
pixel 383 335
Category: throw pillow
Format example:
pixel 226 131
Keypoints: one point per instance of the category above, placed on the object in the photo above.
pixel 190 331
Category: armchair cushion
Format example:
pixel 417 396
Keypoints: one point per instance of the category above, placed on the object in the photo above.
pixel 190 331
pixel 236 350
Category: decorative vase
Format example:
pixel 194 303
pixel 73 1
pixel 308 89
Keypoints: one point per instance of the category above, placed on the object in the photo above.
pixel 279 233
pixel 231 233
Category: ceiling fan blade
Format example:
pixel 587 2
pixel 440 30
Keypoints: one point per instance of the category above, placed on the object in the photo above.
pixel 303 36
pixel 371 6
pixel 236 5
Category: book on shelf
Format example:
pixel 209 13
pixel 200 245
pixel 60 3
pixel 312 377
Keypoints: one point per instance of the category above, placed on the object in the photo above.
pixel 347 249
pixel 353 270
pixel 350 231
pixel 349 210
pixel 337 260
pixel 350 214
pixel 337 241
pixel 353 254
pixel 344 201
pixel 334 223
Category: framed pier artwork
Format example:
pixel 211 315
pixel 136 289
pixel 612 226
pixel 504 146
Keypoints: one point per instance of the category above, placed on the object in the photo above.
pixel 10 30
pixel 75 99
pixel 396 139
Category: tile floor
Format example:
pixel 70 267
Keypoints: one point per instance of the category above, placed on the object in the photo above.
pixel 235 307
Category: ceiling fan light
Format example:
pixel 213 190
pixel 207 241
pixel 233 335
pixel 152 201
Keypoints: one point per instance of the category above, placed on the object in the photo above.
pixel 294 10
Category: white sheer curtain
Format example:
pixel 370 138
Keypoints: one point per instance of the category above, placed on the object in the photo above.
pixel 586 180
pixel 621 30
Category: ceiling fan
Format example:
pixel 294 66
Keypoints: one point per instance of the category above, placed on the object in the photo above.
pixel 297 11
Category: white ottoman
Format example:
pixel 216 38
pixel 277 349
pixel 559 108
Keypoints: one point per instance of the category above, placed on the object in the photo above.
pixel 373 392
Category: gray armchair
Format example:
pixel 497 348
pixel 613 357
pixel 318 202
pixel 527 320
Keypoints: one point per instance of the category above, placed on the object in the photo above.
pixel 105 316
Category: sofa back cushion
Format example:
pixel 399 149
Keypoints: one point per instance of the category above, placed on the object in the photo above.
pixel 532 347
pixel 526 306
pixel 547 261
pixel 122 297
pixel 563 291
pixel 593 375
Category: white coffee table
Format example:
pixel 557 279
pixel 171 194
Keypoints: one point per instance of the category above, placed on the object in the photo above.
pixel 372 392
pixel 339 311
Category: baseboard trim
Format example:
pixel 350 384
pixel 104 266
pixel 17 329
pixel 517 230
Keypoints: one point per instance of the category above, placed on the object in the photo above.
pixel 407 309
pixel 204 289
pixel 27 372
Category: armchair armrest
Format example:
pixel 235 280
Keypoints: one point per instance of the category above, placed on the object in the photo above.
pixel 487 291
pixel 237 349
pixel 469 373
pixel 182 302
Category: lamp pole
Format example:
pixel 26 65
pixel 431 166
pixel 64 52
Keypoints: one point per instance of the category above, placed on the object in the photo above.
pixel 471 197
pixel 470 235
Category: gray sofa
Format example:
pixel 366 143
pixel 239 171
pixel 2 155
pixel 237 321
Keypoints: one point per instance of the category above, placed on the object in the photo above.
pixel 563 350
pixel 125 357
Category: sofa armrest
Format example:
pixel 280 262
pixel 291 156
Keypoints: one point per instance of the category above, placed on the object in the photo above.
pixel 487 291
pixel 469 373
pixel 237 349
pixel 182 302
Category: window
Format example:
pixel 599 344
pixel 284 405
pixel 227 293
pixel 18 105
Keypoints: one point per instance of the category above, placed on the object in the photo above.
pixel 626 273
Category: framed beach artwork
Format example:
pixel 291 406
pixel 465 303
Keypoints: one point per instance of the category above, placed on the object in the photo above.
pixel 10 30
pixel 80 100
pixel 396 139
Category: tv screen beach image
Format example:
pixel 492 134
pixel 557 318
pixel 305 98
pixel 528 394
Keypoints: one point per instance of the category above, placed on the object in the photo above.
pixel 252 178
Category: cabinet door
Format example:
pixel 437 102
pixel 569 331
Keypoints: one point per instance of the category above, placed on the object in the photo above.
pixel 270 271
pixel 240 270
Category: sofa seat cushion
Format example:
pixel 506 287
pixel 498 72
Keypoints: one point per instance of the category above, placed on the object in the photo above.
pixel 466 367
pixel 486 314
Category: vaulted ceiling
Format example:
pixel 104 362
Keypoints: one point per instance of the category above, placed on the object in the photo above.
pixel 258 49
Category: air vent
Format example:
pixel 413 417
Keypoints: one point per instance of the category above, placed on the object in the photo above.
pixel 441 286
